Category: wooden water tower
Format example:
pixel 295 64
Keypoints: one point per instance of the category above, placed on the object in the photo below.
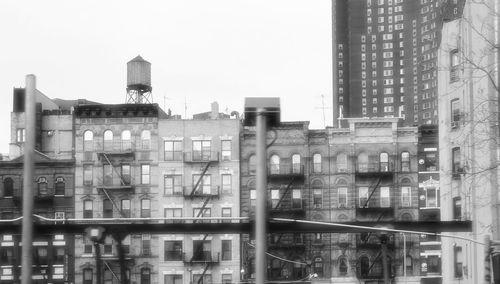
pixel 139 82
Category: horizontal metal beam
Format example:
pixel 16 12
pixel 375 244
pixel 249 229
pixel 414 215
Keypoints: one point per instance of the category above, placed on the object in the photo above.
pixel 235 227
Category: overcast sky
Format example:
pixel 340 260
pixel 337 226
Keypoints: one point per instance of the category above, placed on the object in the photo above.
pixel 200 50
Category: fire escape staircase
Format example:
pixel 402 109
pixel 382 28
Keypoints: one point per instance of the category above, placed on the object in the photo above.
pixel 287 190
pixel 106 191
pixel 372 192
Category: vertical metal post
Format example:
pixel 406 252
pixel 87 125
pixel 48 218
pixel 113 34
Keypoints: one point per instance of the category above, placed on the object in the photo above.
pixel 261 199
pixel 385 266
pixel 98 263
pixel 404 257
pixel 29 147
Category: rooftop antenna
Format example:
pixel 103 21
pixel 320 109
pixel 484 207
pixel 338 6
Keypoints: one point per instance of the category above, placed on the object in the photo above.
pixel 323 109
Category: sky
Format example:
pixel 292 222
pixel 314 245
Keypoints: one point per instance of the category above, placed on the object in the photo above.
pixel 201 51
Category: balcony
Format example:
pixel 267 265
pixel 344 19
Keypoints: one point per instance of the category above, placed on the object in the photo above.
pixel 285 241
pixel 123 149
pixel 374 169
pixel 286 171
pixel 201 157
pixel 202 257
pixel 373 241
pixel 288 208
pixel 116 184
pixel 429 214
pixel 202 192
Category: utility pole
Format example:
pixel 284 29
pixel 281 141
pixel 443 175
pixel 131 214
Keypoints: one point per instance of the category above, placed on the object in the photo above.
pixel 29 152
pixel 261 198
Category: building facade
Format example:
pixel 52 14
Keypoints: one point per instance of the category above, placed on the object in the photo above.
pixel 468 132
pixel 384 59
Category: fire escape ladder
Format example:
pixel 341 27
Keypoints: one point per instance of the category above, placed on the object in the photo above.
pixel 373 191
pixel 111 270
pixel 287 189
pixel 370 233
pixel 114 169
pixel 112 202
pixel 202 209
pixel 200 178
pixel 374 261
pixel 200 280
pixel 279 238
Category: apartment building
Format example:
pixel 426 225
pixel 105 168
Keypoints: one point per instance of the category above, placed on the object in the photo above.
pixel 384 59
pixel 117 176
pixel 365 172
pixel 53 258
pixel 468 132
pixel 198 170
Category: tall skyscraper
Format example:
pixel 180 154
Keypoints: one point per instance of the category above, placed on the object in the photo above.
pixel 384 59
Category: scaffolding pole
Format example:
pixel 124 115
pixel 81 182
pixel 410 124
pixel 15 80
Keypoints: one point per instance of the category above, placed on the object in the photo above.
pixel 261 199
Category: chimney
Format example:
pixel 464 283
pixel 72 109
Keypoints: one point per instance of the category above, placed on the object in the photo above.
pixel 215 111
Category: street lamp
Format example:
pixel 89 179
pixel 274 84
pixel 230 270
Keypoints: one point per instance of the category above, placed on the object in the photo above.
pixel 262 113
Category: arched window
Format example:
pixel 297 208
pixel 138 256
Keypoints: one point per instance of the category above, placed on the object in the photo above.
pixel 146 139
pixel 252 160
pixel 275 164
pixel 296 167
pixel 409 264
pixel 363 162
pixel 364 265
pixel 343 265
pixel 317 163
pixel 406 217
pixel 405 161
pixel 108 140
pixel 126 140
pixel 384 162
pixel 318 266
pixel 88 141
pixel 317 187
pixel 8 187
pixel 145 276
pixel 342 163
pixel 60 186
pixel 42 186
pixel 253 194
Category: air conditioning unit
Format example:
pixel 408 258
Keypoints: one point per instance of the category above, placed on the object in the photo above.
pixel 342 205
pixel 59 215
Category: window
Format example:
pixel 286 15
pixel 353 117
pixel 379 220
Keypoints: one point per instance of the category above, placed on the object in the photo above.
pixel 342 162
pixel 317 163
pixel 385 197
pixel 205 279
pixel 226 150
pixel 252 164
pixel 275 164
pixel 226 183
pixel 108 140
pixel 126 176
pixel 173 150
pixel 384 162
pixel 456 160
pixel 202 250
pixel 343 266
pixel 202 150
pixel 87 246
pixel 173 184
pixel 87 276
pixel 454 65
pixel 126 140
pixel 363 197
pixel 173 213
pixel 108 276
pixel 226 212
pixel 296 198
pixel 363 162
pixel 317 194
pixel 145 208
pixel 146 244
pixel 206 213
pixel 173 251
pixel 60 186
pixel 8 187
pixel 145 276
pixel 253 197
pixel 146 139
pixel 296 167
pixel 87 209
pixel 342 197
pixel 227 279
pixel 173 279
pixel 145 174
pixel 88 141
pixel 318 266
pixel 107 208
pixel 20 135
pixel 432 197
pixel 457 208
pixel 405 196
pixel 364 264
pixel 204 183
pixel 458 261
pixel 226 250
pixel 42 186
pixel 275 198
pixel 405 161
pixel 125 208
pixel 455 112
pixel 87 175
pixel 107 173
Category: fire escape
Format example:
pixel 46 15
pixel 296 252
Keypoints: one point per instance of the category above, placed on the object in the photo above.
pixel 286 183
pixel 373 206
pixel 117 159
pixel 202 190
